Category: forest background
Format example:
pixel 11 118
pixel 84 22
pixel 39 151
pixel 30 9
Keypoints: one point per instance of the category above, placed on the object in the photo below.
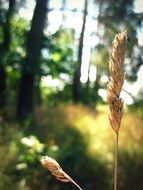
pixel 53 81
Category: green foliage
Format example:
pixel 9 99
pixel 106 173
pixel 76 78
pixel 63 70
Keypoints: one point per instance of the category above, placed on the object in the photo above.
pixel 131 164
pixel 12 88
pixel 61 141
pixel 117 16
pixel 90 95
pixel 68 146
pixel 9 152
pixel 17 50
pixel 54 135
pixel 57 54
pixel 99 58
pixel 59 96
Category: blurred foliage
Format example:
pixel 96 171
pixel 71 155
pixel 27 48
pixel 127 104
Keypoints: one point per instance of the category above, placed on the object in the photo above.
pixel 100 54
pixel 130 172
pixel 63 142
pixel 74 137
pixel 59 96
pixel 17 52
pixel 57 53
pixel 115 16
pixel 89 95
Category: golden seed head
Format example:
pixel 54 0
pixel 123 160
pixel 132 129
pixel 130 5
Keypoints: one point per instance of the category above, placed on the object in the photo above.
pixel 116 80
pixel 53 166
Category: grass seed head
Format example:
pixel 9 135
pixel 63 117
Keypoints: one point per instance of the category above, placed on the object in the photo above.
pixel 116 80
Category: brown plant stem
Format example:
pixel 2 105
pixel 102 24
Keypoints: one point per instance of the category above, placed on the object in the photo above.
pixel 116 161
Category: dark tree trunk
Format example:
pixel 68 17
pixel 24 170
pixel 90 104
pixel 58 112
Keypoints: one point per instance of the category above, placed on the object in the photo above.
pixel 77 74
pixel 88 81
pixel 38 98
pixel 26 91
pixel 4 48
pixel 2 87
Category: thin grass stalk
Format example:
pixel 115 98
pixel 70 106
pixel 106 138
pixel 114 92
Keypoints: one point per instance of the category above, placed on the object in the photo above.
pixel 76 185
pixel 116 161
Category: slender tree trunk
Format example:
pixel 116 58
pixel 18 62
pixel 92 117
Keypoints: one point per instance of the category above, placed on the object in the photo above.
pixel 26 91
pixel 38 98
pixel 88 81
pixel 63 11
pixel 2 87
pixel 77 74
pixel 100 25
pixel 4 48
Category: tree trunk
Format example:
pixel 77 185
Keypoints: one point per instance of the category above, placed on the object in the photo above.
pixel 77 74
pixel 38 97
pixel 2 87
pixel 4 48
pixel 30 67
pixel 63 11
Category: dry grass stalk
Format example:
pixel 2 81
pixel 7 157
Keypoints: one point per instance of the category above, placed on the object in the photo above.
pixel 116 69
pixel 53 166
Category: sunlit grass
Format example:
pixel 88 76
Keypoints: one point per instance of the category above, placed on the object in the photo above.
pixel 95 128
pixel 75 135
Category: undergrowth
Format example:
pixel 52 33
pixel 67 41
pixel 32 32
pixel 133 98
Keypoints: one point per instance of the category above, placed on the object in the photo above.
pixel 80 139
